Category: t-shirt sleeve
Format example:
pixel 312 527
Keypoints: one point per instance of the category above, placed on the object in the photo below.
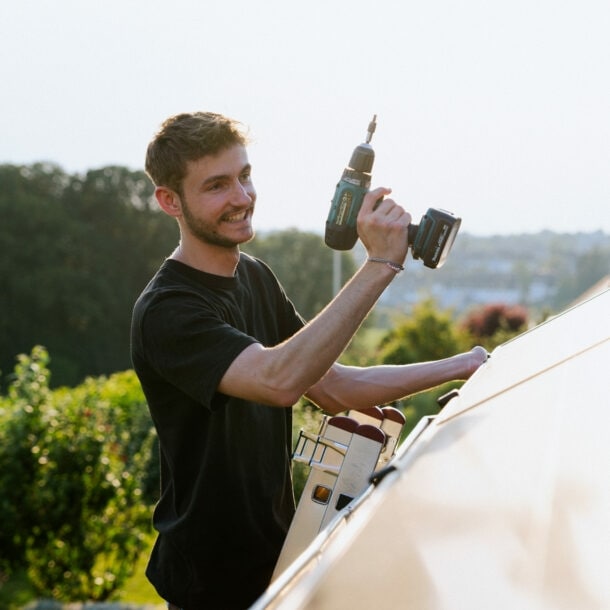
pixel 191 347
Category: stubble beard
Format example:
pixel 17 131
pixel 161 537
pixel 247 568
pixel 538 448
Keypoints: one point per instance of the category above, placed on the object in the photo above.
pixel 206 232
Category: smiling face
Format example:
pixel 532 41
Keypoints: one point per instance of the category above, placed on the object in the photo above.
pixel 217 199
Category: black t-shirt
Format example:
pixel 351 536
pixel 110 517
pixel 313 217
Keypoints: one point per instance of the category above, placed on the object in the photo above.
pixel 226 490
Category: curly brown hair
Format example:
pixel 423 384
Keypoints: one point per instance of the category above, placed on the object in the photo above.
pixel 187 137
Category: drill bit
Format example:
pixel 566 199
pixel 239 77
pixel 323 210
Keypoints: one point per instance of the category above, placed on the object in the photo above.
pixel 371 129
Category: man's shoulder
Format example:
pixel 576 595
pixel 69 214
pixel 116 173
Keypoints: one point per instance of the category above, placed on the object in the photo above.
pixel 248 261
pixel 168 282
pixel 253 265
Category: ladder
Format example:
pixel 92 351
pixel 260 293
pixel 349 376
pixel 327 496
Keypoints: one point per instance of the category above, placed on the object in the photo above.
pixel 342 456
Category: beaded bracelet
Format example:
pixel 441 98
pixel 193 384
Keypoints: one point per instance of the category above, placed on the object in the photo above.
pixel 395 267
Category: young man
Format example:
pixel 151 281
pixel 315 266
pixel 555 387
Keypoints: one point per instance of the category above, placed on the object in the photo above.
pixel 222 355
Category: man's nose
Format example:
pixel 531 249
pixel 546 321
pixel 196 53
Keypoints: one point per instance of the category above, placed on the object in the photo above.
pixel 243 194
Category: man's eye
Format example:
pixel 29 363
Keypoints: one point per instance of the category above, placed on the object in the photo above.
pixel 245 177
pixel 214 186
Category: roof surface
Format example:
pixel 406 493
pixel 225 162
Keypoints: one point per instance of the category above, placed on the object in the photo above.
pixel 501 501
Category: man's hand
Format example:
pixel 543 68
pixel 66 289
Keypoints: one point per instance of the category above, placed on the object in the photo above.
pixel 383 226
pixel 478 355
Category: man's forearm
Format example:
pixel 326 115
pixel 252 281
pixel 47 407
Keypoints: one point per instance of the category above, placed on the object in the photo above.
pixel 358 388
pixel 320 343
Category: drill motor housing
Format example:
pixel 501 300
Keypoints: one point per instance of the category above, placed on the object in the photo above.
pixel 341 232
pixel 429 241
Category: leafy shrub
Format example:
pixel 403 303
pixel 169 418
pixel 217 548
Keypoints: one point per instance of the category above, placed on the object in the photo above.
pixel 427 334
pixel 73 470
pixel 495 323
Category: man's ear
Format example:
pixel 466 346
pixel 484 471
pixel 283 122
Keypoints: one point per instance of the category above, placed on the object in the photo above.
pixel 168 201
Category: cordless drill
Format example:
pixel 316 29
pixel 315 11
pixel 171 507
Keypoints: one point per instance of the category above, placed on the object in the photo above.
pixel 430 241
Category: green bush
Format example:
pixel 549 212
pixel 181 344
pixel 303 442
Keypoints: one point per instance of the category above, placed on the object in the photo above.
pixel 427 334
pixel 495 323
pixel 74 468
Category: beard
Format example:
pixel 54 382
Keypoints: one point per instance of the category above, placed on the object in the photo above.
pixel 207 232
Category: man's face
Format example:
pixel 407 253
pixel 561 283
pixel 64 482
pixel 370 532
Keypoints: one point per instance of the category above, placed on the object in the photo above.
pixel 218 198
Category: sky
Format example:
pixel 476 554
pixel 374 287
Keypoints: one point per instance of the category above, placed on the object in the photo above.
pixel 497 111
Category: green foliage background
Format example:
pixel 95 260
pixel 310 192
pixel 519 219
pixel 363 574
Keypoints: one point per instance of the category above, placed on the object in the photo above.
pixel 78 455
pixel 75 481
pixel 76 251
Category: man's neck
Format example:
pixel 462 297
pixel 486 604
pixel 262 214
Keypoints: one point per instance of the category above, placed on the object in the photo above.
pixel 209 258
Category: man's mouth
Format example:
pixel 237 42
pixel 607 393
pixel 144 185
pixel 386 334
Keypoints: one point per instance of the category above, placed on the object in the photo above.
pixel 237 217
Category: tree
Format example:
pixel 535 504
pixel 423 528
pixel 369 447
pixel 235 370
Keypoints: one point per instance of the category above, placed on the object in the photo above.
pixel 77 250
pixel 589 267
pixel 495 323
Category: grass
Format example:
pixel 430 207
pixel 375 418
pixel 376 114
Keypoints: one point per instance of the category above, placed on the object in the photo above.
pixel 137 589
pixel 16 591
